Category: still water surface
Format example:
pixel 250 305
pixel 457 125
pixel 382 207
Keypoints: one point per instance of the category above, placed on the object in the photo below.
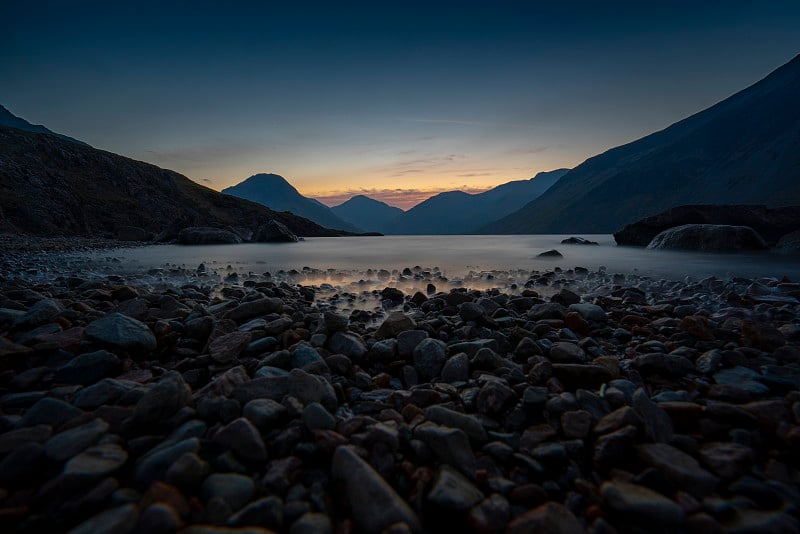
pixel 456 256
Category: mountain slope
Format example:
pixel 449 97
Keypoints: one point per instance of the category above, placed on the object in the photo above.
pixel 49 186
pixel 12 121
pixel 456 212
pixel 368 213
pixel 276 193
pixel 745 148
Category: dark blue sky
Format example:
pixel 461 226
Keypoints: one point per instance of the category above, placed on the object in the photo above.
pixel 379 96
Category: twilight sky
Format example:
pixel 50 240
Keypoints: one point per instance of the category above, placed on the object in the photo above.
pixel 398 100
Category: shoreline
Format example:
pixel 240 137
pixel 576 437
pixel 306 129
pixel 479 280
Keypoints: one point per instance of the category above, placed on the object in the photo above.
pixel 579 400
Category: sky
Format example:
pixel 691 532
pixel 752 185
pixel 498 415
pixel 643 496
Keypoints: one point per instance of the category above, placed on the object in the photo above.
pixel 396 100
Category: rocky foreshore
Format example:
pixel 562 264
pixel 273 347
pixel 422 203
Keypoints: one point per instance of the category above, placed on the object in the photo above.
pixel 565 401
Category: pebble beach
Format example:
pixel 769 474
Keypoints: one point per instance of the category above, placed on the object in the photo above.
pixel 394 400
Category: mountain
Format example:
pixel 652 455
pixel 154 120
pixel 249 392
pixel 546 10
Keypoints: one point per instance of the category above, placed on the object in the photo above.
pixel 367 213
pixel 456 212
pixel 276 193
pixel 743 149
pixel 51 186
pixel 12 121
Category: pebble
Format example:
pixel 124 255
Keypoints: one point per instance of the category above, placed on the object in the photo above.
pixel 242 438
pixel 557 401
pixel 316 417
pixel 234 489
pixel 641 504
pixel 49 411
pixel 452 491
pixel 120 519
pixel 96 462
pixel 550 517
pixel 430 356
pixel 88 368
pixel 679 467
pixel 122 332
pixel 71 442
pixel 374 504
pixel 450 445
pixel 225 348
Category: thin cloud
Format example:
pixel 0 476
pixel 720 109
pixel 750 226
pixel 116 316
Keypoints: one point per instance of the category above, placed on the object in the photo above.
pixel 459 122
pixel 525 150
pixel 204 155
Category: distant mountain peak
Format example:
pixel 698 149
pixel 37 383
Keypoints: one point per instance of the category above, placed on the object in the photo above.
pixel 275 192
pixel 458 212
pixel 12 121
pixel 268 179
pixel 368 213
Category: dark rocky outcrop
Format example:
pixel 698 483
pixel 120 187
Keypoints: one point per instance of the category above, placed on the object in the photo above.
pixel 133 233
pixel 708 238
pixel 552 253
pixel 770 223
pixel 274 231
pixel 577 241
pixel 54 187
pixel 203 235
pixel 789 243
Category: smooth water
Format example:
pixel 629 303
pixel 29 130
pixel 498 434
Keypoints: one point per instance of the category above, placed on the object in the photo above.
pixel 455 256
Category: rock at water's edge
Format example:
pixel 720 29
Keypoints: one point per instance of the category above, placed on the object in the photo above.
pixel 708 238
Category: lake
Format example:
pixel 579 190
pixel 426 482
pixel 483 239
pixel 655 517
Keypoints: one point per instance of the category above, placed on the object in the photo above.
pixel 455 256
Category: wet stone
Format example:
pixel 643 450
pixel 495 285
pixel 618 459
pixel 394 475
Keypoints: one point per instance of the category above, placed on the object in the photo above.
pixel 49 411
pixel 242 438
pixel 316 417
pixel 234 489
pixel 679 467
pixel 429 358
pixel 122 332
pixel 264 413
pixel 70 442
pixel 456 369
pixel 373 502
pixel 88 368
pixel 641 504
pixel 453 491
pixel 96 462
pixel 229 346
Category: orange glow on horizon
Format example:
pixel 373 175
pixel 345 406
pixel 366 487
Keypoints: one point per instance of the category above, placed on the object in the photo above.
pixel 404 199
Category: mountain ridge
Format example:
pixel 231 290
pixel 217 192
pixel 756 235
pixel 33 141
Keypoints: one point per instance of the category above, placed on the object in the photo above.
pixel 10 120
pixel 745 146
pixel 51 186
pixel 276 193
pixel 457 212
pixel 366 212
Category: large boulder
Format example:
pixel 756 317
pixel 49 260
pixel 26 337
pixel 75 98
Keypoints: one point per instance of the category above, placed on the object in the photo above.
pixel 274 231
pixel 708 238
pixel 789 243
pixel 203 235
pixel 770 223
pixel 133 233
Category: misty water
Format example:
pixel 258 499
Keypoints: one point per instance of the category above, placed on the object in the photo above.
pixel 455 256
